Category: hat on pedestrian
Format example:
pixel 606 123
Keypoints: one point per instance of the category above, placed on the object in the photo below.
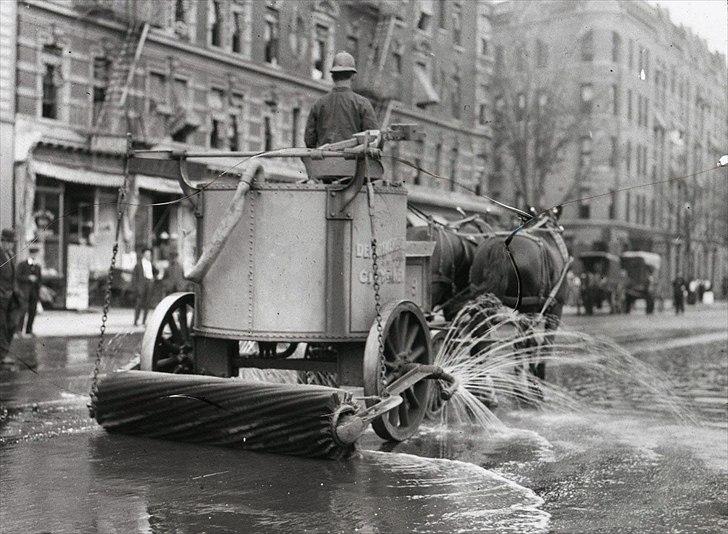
pixel 343 62
pixel 7 235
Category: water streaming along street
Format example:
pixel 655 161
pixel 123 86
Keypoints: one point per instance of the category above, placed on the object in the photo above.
pixel 619 464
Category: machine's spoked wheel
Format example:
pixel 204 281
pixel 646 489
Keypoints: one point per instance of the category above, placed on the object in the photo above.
pixel 435 405
pixel 167 342
pixel 406 340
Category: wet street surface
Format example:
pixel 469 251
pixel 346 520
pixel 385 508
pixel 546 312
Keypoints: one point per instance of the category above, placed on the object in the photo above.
pixel 618 464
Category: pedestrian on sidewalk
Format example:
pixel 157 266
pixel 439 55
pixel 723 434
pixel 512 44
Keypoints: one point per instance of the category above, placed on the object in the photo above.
pixel 143 277
pixel 29 281
pixel 8 295
pixel 174 277
pixel 678 294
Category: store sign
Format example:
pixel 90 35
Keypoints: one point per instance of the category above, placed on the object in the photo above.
pixel 77 281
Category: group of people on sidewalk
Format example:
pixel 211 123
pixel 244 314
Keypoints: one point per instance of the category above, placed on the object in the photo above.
pixel 19 292
pixel 147 276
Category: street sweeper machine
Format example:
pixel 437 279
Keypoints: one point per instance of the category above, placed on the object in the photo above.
pixel 318 276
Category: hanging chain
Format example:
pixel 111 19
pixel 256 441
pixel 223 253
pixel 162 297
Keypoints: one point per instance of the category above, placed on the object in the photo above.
pixel 375 283
pixel 120 205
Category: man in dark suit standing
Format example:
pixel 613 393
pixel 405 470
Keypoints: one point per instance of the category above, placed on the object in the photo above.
pixel 143 277
pixel 8 295
pixel 29 280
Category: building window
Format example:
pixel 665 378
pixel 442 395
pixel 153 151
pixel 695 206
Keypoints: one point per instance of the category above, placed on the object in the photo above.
pixel 267 134
pixel 613 152
pixel 455 96
pixel 542 53
pixel 101 67
pixel 587 46
pixel 629 104
pixel 628 156
pixel 234 133
pixel 423 23
pixel 215 24
pixel 612 203
pixel 442 13
pixel 180 14
pixel 397 58
pixel 521 59
pixel 542 101
pixel 484 49
pixel 352 42
pixel 216 140
pixel 520 107
pixel 158 95
pixel 586 94
pixel 584 210
pixel 627 206
pixel 498 58
pixel 238 35
pixel 51 81
pixel 271 35
pixel 457 24
pixel 295 122
pixel 630 54
pixel 615 100
pixel 438 164
pixel 453 168
pixel 616 47
pixel 320 52
pixel 483 114
pixel 585 152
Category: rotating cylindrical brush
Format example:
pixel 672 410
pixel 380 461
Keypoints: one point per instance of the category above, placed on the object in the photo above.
pixel 281 418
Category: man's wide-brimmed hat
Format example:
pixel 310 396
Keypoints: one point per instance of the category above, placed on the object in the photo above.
pixel 343 62
pixel 7 235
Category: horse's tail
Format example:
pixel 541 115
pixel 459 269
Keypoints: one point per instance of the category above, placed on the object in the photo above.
pixel 491 267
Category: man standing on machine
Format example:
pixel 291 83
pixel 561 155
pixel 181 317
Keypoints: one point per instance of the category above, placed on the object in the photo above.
pixel 340 114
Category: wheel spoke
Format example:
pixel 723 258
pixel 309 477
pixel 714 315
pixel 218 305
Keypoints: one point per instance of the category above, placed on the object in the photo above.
pixel 411 336
pixel 412 398
pixel 389 345
pixel 176 335
pixel 416 353
pixel 183 323
pixel 402 328
pixel 404 414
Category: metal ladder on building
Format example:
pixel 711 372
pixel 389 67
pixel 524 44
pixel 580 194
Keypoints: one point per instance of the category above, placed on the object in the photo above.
pixel 122 72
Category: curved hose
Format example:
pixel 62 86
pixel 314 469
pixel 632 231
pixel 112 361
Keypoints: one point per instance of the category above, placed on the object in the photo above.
pixel 229 221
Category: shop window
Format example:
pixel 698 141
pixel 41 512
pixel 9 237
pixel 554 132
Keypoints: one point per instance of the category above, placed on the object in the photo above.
pixel 587 46
pixel 586 94
pixel 271 35
pixel 50 92
pixel 79 208
pixel 216 24
pixel 47 209
pixel 320 52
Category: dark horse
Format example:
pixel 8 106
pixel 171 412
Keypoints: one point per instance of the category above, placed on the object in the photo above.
pixel 455 246
pixel 528 276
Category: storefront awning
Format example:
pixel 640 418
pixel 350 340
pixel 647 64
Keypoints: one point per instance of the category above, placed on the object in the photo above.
pixel 425 93
pixel 76 175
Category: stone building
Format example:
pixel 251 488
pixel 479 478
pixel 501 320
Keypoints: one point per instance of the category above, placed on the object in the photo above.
pixel 218 74
pixel 648 103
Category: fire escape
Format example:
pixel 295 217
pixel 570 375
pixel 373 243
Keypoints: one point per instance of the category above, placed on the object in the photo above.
pixel 373 81
pixel 115 117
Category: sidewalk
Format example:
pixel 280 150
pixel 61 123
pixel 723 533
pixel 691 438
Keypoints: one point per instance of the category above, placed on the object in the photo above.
pixel 63 323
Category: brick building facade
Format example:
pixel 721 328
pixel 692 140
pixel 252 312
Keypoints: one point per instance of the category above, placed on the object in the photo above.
pixel 228 75
pixel 650 99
